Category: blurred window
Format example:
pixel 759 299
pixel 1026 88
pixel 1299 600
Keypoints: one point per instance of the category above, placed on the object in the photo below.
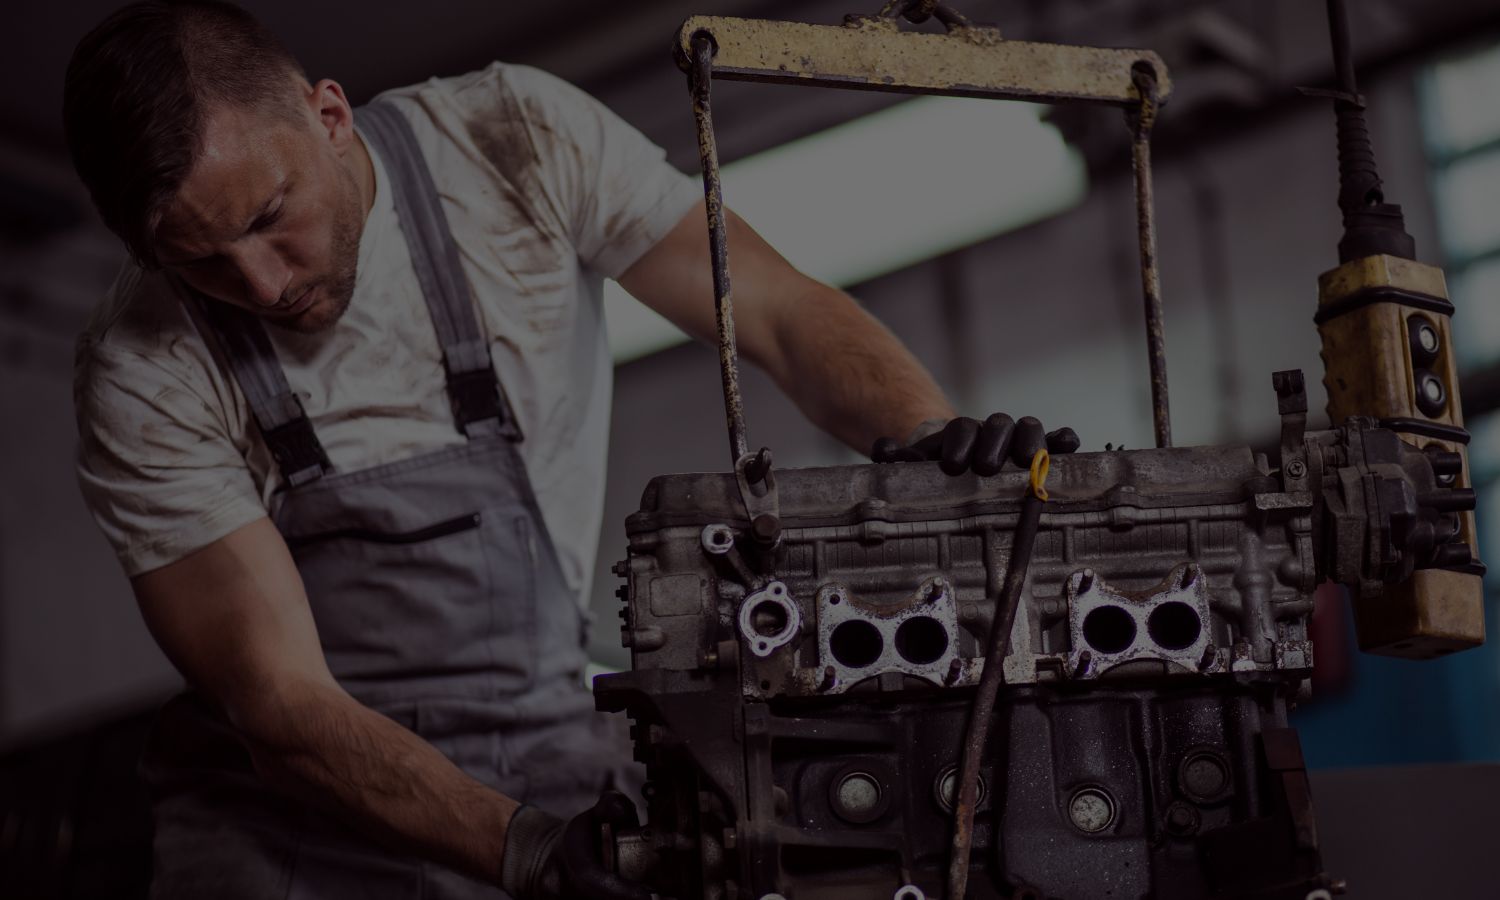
pixel 1461 117
pixel 1477 287
pixel 1460 101
pixel 1468 199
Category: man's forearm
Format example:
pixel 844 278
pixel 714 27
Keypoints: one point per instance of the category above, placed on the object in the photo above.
pixel 320 745
pixel 849 374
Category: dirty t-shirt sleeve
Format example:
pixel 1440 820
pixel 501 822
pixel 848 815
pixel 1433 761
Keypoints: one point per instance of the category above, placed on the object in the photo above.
pixel 613 188
pixel 156 465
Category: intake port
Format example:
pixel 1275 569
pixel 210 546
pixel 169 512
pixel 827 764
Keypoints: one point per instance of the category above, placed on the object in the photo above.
pixel 1109 629
pixel 1174 625
pixel 921 640
pixel 768 618
pixel 856 643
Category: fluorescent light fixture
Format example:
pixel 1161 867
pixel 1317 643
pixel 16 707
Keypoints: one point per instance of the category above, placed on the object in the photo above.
pixel 884 192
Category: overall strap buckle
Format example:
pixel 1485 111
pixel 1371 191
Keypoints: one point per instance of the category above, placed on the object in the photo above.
pixel 298 453
pixel 478 407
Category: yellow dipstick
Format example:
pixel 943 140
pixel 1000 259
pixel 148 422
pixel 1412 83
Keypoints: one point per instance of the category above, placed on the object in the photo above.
pixel 1040 463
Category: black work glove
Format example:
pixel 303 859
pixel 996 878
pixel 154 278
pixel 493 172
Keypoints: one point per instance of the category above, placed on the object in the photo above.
pixel 547 858
pixel 965 444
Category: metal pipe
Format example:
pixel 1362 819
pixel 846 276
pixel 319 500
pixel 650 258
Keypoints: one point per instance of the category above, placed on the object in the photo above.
pixel 700 77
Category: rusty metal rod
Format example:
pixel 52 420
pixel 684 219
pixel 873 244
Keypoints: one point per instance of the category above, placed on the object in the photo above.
pixel 1142 119
pixel 983 710
pixel 700 76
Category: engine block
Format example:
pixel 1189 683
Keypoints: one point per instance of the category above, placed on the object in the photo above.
pixel 800 694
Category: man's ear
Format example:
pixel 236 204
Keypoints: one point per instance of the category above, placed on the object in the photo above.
pixel 335 116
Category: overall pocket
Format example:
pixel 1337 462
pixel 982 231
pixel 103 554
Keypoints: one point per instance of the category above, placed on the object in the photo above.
pixel 431 532
pixel 424 609
pixel 512 557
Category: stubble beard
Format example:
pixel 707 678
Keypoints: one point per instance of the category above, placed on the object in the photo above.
pixel 337 287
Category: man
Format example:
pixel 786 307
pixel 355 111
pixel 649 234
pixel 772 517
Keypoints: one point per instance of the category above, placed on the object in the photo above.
pixel 343 418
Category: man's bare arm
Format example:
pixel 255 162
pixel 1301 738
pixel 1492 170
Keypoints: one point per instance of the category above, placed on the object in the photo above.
pixel 234 618
pixel 843 369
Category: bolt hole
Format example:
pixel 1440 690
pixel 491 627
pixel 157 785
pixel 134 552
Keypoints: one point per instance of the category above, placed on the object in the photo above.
pixel 921 640
pixel 765 685
pixel 768 618
pixel 835 599
pixel 1109 629
pixel 1174 625
pixel 856 644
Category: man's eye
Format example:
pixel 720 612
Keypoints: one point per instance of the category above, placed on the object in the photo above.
pixel 267 220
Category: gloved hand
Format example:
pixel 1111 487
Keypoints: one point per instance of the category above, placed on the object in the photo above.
pixel 963 444
pixel 547 858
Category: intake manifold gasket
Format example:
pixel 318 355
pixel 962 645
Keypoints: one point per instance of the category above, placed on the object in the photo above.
pixel 858 640
pixel 771 606
pixel 1169 623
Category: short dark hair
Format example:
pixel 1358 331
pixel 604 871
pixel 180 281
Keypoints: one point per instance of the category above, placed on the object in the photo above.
pixel 135 100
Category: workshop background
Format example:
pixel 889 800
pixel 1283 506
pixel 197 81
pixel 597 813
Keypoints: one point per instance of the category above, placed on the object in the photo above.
pixel 997 240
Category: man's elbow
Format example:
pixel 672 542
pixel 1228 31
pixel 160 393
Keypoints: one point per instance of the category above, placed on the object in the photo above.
pixel 277 718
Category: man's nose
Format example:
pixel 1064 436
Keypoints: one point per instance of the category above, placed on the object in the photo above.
pixel 266 276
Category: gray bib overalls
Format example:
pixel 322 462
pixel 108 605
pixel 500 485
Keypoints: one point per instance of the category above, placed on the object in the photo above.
pixel 438 599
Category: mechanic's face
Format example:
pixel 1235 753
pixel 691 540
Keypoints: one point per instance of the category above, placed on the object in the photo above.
pixel 269 218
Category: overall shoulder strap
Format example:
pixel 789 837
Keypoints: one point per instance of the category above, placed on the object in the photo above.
pixel 479 403
pixel 278 412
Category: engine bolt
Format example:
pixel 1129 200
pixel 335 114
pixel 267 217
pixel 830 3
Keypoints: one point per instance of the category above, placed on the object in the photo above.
pixel 830 678
pixel 1182 819
pixel 766 528
pixel 955 669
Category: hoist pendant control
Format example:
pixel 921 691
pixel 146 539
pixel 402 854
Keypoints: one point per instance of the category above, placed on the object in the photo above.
pixel 1386 325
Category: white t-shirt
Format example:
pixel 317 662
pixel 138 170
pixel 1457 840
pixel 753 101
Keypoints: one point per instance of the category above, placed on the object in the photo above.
pixel 546 191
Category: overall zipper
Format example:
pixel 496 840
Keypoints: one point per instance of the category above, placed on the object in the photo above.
pixel 466 522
